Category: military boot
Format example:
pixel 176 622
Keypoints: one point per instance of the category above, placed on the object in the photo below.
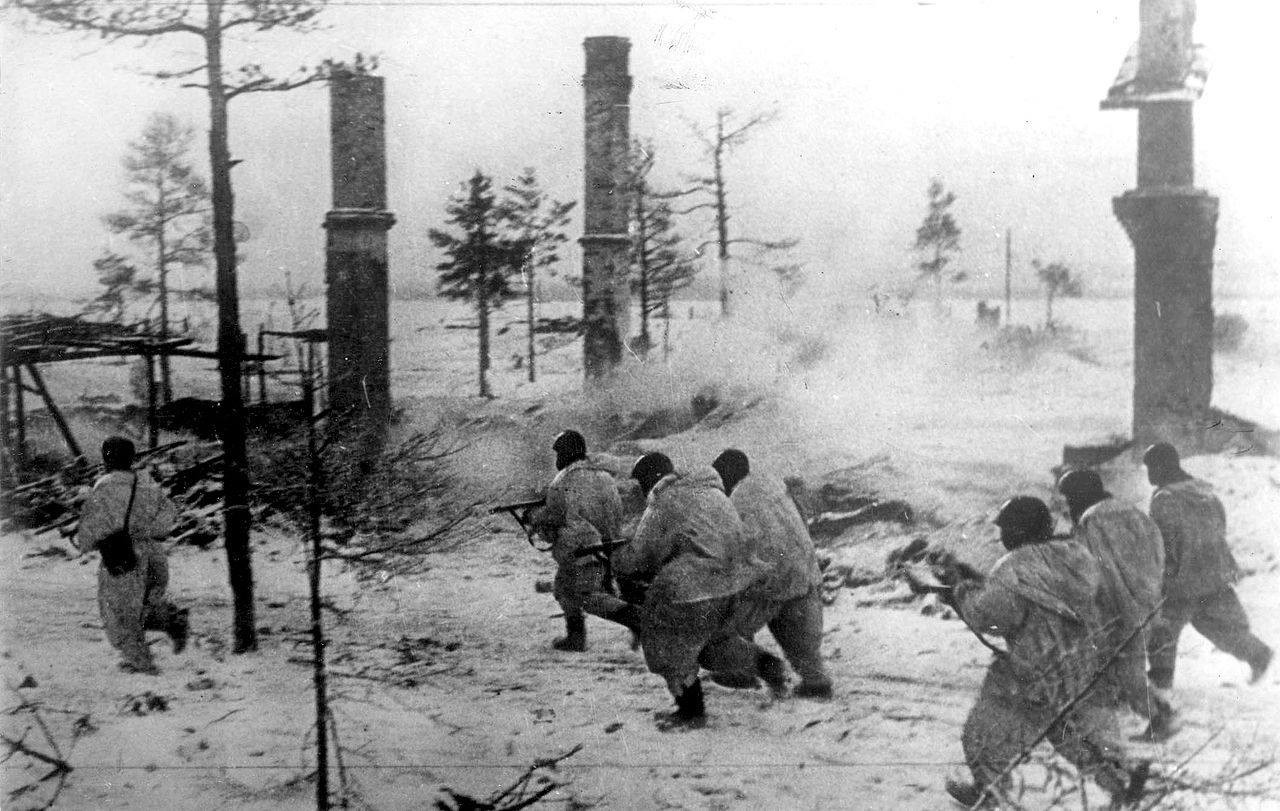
pixel 575 638
pixel 1163 724
pixel 773 672
pixel 967 794
pixel 179 628
pixel 690 712
pixel 1258 667
pixel 817 689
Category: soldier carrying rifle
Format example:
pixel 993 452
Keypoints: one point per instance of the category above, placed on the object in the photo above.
pixel 582 509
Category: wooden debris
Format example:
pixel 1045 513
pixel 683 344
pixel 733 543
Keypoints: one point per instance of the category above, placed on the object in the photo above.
pixel 53 502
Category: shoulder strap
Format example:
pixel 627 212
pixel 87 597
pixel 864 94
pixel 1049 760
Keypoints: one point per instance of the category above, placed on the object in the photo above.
pixel 128 511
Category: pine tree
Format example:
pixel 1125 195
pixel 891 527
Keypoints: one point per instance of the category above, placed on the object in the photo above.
pixel 167 216
pixel 119 279
pixel 479 261
pixel 938 238
pixel 536 220
pixel 210 21
pixel 1057 280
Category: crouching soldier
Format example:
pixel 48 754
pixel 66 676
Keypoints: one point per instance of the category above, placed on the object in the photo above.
pixel 582 509
pixel 1129 550
pixel 134 572
pixel 1042 597
pixel 689 548
pixel 1199 571
pixel 777 535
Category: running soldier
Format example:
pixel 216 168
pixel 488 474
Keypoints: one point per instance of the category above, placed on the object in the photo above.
pixel 1127 545
pixel 582 509
pixel 1042 597
pixel 134 572
pixel 1199 571
pixel 776 534
pixel 689 549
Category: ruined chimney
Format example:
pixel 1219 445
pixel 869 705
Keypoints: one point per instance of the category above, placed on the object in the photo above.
pixel 1173 227
pixel 356 251
pixel 606 244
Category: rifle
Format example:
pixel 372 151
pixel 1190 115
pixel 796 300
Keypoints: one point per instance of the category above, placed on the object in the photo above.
pixel 946 592
pixel 520 512
pixel 604 553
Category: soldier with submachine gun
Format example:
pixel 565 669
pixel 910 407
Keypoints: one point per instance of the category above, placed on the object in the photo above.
pixel 581 511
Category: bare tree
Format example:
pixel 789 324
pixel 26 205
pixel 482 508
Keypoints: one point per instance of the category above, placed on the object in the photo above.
pixel 718 142
pixel 210 21
pixel 167 213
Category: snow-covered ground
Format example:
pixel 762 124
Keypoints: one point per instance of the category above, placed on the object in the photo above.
pixel 446 678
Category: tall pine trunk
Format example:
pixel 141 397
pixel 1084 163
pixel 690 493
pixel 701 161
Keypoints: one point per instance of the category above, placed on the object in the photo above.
pixel 162 274
pixel 666 329
pixel 531 316
pixel 235 477
pixel 482 310
pixel 642 258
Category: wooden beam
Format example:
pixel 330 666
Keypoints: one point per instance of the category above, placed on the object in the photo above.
pixel 153 424
pixel 20 420
pixel 262 367
pixel 58 419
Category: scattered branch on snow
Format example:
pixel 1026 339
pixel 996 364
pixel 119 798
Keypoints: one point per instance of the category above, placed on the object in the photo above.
pixel 526 791
pixel 48 753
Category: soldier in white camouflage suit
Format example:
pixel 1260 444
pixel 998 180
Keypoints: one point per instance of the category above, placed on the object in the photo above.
pixel 777 535
pixel 1042 598
pixel 1127 545
pixel 689 548
pixel 582 509
pixel 133 602
pixel 1199 571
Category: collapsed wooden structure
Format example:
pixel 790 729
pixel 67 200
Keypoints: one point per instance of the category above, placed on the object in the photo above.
pixel 30 340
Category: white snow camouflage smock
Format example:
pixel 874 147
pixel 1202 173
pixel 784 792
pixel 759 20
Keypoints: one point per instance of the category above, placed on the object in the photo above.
pixel 690 542
pixel 1197 559
pixel 777 535
pixel 582 509
pixel 152 518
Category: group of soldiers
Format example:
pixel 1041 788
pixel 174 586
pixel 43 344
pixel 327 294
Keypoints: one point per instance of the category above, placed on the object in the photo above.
pixel 719 553
pixel 1090 622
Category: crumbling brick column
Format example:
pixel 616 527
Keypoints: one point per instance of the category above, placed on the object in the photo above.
pixel 356 252
pixel 1173 227
pixel 606 244
pixel 1173 237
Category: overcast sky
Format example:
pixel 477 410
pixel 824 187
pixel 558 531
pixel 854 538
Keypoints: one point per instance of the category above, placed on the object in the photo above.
pixel 999 99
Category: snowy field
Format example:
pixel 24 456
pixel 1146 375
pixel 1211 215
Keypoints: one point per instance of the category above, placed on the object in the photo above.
pixel 446 678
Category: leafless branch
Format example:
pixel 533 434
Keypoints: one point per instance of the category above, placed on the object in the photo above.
pixel 526 791
pixel 682 212
pixel 736 136
pixel 113 21
pixel 165 75
pixel 767 245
